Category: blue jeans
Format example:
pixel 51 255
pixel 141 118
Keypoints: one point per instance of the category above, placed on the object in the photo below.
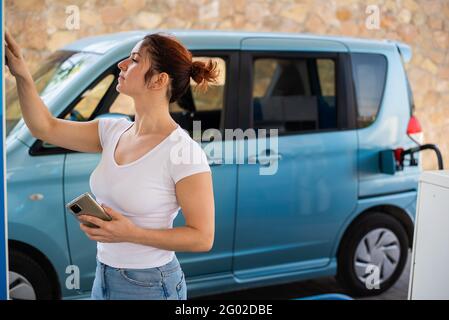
pixel 166 282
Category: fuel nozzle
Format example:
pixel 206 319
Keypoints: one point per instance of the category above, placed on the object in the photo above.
pixel 393 160
pixel 400 154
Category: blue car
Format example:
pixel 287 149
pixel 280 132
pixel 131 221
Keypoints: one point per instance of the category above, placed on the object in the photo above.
pixel 328 209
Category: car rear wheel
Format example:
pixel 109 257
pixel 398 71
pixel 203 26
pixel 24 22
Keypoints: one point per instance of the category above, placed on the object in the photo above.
pixel 372 254
pixel 27 279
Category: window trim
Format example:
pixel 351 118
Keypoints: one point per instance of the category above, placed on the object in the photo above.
pixel 343 87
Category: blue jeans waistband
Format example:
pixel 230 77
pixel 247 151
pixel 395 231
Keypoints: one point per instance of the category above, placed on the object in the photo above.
pixel 167 268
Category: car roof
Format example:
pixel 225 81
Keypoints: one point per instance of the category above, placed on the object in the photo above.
pixel 212 39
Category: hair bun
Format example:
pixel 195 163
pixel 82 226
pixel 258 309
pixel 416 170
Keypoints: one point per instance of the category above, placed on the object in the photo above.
pixel 202 73
pixel 195 70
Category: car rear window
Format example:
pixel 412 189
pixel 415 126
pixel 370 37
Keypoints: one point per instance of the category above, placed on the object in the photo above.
pixel 369 72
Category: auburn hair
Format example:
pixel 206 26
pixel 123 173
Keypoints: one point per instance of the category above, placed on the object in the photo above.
pixel 169 55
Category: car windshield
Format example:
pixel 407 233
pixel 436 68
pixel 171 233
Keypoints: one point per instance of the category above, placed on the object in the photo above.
pixel 52 77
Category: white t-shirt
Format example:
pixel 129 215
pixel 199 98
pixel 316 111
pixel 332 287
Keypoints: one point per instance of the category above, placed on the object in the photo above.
pixel 143 190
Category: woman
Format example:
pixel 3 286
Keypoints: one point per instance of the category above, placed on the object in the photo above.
pixel 143 178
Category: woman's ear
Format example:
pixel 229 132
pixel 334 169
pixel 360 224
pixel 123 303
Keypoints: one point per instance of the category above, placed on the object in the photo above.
pixel 162 79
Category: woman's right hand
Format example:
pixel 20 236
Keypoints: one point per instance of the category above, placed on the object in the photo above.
pixel 14 57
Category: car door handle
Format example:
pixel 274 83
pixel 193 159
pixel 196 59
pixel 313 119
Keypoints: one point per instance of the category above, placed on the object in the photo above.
pixel 215 161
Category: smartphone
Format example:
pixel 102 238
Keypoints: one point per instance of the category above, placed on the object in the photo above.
pixel 86 204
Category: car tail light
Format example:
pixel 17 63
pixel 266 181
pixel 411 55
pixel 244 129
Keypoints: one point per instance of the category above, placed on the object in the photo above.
pixel 414 130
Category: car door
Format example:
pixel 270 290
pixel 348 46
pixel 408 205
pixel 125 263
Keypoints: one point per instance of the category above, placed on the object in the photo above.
pixel 288 217
pixel 207 108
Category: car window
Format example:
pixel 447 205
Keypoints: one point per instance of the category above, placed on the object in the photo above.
pixel 205 107
pixel 369 72
pixel 87 104
pixel 54 75
pixel 294 94
pixel 90 100
pixel 123 104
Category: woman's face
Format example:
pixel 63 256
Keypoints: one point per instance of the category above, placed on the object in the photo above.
pixel 132 72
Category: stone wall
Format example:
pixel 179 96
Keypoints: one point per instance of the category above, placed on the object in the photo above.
pixel 40 27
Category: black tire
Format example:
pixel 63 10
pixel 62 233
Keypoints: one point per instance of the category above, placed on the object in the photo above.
pixel 32 271
pixel 346 274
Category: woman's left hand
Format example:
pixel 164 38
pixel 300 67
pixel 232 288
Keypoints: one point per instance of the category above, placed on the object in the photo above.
pixel 119 229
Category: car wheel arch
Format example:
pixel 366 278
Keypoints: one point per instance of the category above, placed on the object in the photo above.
pixel 396 212
pixel 40 258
